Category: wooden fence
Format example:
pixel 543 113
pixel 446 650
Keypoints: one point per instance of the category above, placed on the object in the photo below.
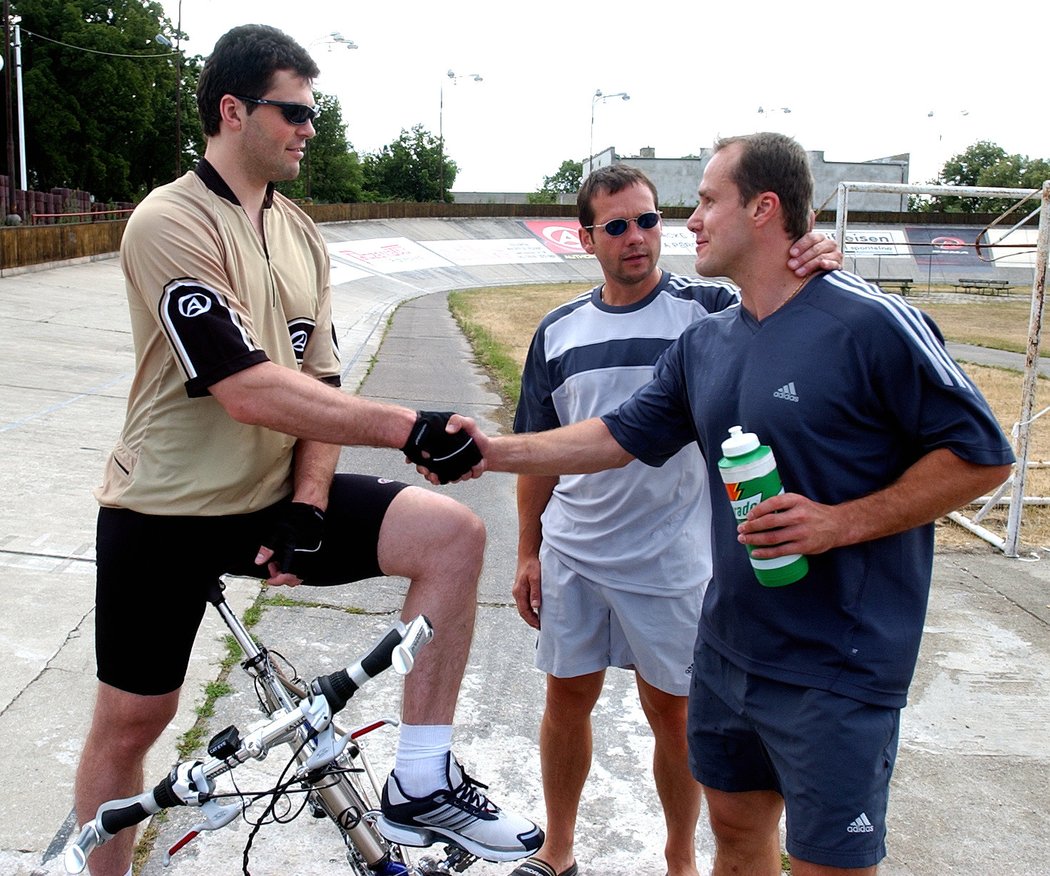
pixel 23 246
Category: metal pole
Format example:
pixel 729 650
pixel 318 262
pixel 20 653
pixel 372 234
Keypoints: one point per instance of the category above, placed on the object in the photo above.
pixel 590 154
pixel 1031 374
pixel 9 114
pixel 441 137
pixel 21 110
pixel 178 94
pixel 841 210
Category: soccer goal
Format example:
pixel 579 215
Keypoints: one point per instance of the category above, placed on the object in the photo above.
pixel 1022 198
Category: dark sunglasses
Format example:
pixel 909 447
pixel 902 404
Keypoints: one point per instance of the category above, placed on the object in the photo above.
pixel 294 113
pixel 616 227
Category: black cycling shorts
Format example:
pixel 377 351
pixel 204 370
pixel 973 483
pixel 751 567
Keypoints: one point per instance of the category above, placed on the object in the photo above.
pixel 154 572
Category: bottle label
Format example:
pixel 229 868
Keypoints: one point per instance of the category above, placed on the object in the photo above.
pixel 745 495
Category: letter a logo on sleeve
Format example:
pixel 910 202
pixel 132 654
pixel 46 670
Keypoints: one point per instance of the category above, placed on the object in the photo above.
pixel 194 304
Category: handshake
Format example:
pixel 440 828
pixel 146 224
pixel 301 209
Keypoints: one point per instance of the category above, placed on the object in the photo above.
pixel 439 454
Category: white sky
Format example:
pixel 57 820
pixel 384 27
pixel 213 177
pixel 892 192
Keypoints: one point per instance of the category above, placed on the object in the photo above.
pixel 860 78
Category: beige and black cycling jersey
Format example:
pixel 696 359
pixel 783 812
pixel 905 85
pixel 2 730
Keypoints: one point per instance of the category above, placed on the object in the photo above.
pixel 208 298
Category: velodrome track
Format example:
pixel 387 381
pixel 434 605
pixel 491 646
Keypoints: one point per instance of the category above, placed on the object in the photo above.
pixel 973 780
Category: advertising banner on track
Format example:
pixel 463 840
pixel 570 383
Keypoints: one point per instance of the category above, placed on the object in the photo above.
pixel 940 246
pixel 505 251
pixel 884 243
pixel 388 255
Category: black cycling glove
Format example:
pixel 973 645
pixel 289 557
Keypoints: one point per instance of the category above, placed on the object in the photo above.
pixel 296 533
pixel 448 456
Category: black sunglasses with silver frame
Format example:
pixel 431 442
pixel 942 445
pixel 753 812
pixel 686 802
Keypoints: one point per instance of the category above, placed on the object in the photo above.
pixel 616 227
pixel 294 113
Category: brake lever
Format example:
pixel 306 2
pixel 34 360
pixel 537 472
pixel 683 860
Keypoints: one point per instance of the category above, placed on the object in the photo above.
pixel 417 634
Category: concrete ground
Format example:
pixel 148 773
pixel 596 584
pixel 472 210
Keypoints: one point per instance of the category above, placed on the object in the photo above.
pixel 972 784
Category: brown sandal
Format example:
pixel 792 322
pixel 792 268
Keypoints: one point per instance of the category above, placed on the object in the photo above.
pixel 538 867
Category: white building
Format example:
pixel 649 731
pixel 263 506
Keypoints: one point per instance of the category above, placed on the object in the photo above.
pixel 676 179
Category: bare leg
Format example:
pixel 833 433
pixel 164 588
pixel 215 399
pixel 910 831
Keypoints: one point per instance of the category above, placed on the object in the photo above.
pixel 679 792
pixel 439 545
pixel 746 826
pixel 123 729
pixel 565 760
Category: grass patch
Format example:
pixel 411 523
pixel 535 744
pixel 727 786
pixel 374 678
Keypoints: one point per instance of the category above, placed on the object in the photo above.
pixel 997 324
pixel 499 323
pixel 281 601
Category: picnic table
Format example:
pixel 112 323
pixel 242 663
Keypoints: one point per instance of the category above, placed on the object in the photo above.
pixel 902 285
pixel 984 287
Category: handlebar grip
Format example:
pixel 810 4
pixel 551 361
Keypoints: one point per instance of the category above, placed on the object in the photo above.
pixel 119 814
pixel 112 821
pixel 339 686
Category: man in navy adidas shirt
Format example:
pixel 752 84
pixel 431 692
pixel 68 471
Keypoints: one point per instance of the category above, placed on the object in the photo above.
pixel 797 690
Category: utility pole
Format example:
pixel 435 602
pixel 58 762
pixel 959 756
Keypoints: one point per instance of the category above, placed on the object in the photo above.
pixel 8 115
pixel 178 93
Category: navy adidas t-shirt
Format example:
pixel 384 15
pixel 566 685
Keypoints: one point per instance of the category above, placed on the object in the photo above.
pixel 850 387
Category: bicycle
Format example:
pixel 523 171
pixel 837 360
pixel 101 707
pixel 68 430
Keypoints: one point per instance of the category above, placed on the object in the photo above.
pixel 331 765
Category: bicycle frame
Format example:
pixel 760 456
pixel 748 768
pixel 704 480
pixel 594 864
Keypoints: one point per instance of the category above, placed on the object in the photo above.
pixel 344 801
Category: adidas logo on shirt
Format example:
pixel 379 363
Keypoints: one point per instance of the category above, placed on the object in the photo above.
pixel 787 392
pixel 860 824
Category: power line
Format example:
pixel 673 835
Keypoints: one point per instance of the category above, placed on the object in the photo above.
pixel 97 51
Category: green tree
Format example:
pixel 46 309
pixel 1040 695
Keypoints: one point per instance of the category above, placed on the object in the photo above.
pixel 987 165
pixel 409 169
pixel 331 172
pixel 99 96
pixel 1013 172
pixel 566 180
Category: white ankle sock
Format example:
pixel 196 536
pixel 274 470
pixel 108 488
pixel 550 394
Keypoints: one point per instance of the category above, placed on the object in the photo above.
pixel 422 758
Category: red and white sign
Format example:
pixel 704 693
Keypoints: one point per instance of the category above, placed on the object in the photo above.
pixel 561 236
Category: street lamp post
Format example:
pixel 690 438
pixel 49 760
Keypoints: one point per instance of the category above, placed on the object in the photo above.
pixel 441 121
pixel 329 39
pixel 16 46
pixel 9 208
pixel 164 41
pixel 595 100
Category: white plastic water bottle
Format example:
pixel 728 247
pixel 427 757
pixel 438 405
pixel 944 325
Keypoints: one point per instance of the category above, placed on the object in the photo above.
pixel 749 471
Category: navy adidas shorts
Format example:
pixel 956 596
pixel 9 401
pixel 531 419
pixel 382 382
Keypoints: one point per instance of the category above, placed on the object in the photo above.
pixel 829 756
pixel 154 573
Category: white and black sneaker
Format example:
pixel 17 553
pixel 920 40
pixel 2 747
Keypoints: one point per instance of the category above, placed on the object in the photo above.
pixel 460 813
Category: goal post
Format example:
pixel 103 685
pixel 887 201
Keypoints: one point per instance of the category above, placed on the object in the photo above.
pixel 1035 325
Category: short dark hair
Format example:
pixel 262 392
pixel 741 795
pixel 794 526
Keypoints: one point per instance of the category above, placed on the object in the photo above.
pixel 775 163
pixel 609 180
pixel 243 62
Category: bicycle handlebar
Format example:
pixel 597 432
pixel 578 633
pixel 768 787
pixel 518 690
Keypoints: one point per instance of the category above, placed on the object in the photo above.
pixel 189 783
pixel 115 815
pixel 397 648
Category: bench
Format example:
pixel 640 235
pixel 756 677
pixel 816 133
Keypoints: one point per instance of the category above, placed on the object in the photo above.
pixel 888 285
pixel 985 287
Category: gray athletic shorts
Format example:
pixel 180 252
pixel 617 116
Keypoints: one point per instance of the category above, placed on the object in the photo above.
pixel 586 627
